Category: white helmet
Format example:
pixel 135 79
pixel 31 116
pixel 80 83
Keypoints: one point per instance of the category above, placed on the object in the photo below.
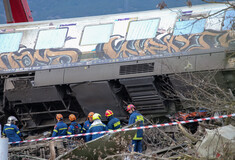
pixel 11 119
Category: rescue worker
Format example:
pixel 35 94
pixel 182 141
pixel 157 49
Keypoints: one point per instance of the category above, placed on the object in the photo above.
pixel 74 127
pixel 113 123
pixel 96 126
pixel 11 131
pixel 88 123
pixel 60 128
pixel 134 117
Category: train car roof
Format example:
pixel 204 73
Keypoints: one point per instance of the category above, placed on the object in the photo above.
pixel 197 8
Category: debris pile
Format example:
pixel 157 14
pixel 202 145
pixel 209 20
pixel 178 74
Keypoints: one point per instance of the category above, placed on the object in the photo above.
pixel 210 140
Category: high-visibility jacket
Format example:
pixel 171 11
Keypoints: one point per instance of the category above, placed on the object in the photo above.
pixel 12 132
pixel 114 123
pixel 60 129
pixel 71 129
pixel 134 117
pixel 96 126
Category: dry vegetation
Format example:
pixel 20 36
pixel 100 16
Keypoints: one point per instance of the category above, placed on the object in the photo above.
pixel 202 90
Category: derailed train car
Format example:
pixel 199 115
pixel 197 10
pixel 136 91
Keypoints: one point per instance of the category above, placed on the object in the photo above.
pixel 104 62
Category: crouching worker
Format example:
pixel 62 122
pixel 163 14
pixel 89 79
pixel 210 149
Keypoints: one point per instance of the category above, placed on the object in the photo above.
pixel 11 131
pixel 74 127
pixel 60 128
pixel 96 126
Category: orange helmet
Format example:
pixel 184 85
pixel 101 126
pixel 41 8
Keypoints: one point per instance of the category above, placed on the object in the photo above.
pixel 59 117
pixel 108 113
pixel 129 107
pixel 72 117
pixel 90 115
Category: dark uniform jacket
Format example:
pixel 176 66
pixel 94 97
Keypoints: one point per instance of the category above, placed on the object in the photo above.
pixel 86 126
pixel 114 123
pixel 60 129
pixel 12 132
pixel 96 126
pixel 71 129
pixel 134 117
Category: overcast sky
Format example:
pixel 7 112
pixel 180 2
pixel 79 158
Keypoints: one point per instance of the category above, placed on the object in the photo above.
pixel 57 9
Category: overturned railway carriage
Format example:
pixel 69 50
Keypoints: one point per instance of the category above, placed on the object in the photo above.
pixel 104 62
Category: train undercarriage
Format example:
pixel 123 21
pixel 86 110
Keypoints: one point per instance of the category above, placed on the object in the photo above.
pixel 36 106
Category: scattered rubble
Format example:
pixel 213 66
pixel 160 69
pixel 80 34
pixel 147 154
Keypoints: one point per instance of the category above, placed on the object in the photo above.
pixel 171 142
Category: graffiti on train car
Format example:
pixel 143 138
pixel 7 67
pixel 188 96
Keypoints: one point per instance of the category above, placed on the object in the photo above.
pixel 43 57
pixel 116 50
pixel 167 43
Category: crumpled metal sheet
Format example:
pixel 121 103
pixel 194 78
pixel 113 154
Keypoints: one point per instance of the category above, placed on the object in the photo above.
pixel 216 142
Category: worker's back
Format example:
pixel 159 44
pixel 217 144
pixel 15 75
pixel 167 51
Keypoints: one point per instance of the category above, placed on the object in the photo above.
pixel 60 129
pixel 114 123
pixel 12 132
pixel 96 126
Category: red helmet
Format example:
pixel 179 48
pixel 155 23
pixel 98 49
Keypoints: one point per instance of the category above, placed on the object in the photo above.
pixel 129 107
pixel 72 117
pixel 59 117
pixel 108 113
